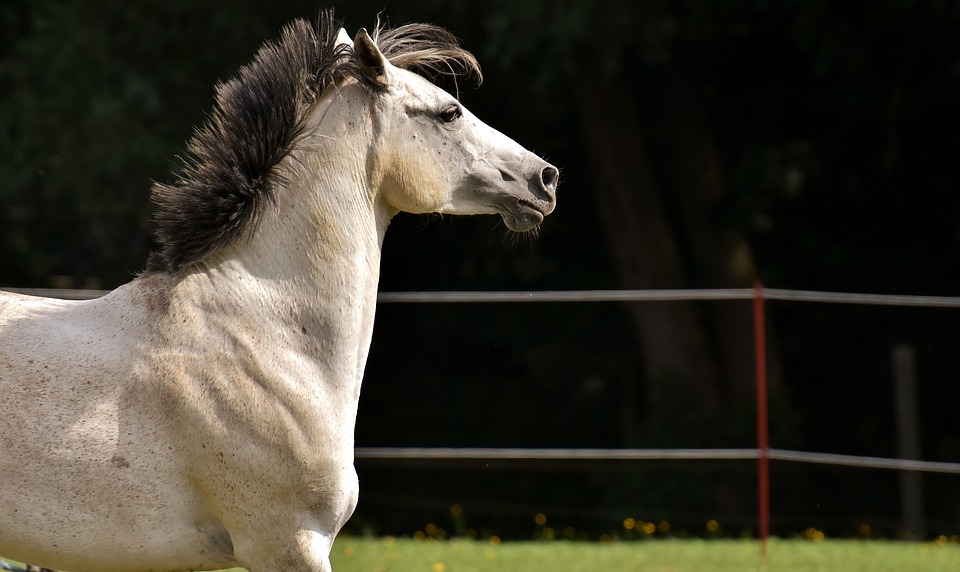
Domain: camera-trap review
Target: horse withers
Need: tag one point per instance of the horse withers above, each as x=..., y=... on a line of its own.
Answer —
x=202, y=415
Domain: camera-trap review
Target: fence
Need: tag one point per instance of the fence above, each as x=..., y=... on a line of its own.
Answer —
x=763, y=453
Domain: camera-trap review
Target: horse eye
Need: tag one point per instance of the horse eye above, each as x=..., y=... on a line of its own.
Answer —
x=450, y=114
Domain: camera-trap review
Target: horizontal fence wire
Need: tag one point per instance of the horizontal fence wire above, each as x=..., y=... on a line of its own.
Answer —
x=667, y=295
x=525, y=454
x=551, y=454
x=678, y=295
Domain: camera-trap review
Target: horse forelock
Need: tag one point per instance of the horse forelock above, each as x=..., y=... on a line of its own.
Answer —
x=228, y=177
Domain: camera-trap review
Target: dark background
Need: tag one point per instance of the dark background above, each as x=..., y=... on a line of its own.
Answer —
x=810, y=145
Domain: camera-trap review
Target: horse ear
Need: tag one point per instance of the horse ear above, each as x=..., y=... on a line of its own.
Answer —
x=344, y=38
x=372, y=63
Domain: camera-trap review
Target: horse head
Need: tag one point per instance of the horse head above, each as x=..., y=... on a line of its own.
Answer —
x=436, y=156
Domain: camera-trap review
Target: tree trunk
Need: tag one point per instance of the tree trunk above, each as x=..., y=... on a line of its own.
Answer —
x=681, y=377
x=719, y=253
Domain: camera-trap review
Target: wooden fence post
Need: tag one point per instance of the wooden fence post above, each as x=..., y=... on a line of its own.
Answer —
x=908, y=438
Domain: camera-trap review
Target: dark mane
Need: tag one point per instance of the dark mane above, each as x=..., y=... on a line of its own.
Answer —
x=229, y=175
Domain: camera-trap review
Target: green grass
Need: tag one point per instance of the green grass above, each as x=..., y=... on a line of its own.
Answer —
x=404, y=555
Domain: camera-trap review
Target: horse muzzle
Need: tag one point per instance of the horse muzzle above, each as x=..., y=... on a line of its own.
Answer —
x=525, y=213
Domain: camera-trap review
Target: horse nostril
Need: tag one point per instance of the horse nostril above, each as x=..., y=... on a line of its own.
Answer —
x=550, y=176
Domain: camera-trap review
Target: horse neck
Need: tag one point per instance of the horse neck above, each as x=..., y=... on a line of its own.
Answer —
x=307, y=279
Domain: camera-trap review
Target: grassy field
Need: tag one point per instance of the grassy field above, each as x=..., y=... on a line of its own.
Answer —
x=406, y=555
x=403, y=555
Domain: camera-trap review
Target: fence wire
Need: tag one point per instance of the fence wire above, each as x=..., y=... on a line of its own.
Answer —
x=675, y=295
x=520, y=454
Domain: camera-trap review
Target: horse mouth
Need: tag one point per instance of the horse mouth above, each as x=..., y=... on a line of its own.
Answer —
x=522, y=216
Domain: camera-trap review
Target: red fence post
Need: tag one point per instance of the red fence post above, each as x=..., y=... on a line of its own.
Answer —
x=763, y=445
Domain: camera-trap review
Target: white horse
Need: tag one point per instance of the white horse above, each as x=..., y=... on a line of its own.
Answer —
x=202, y=415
